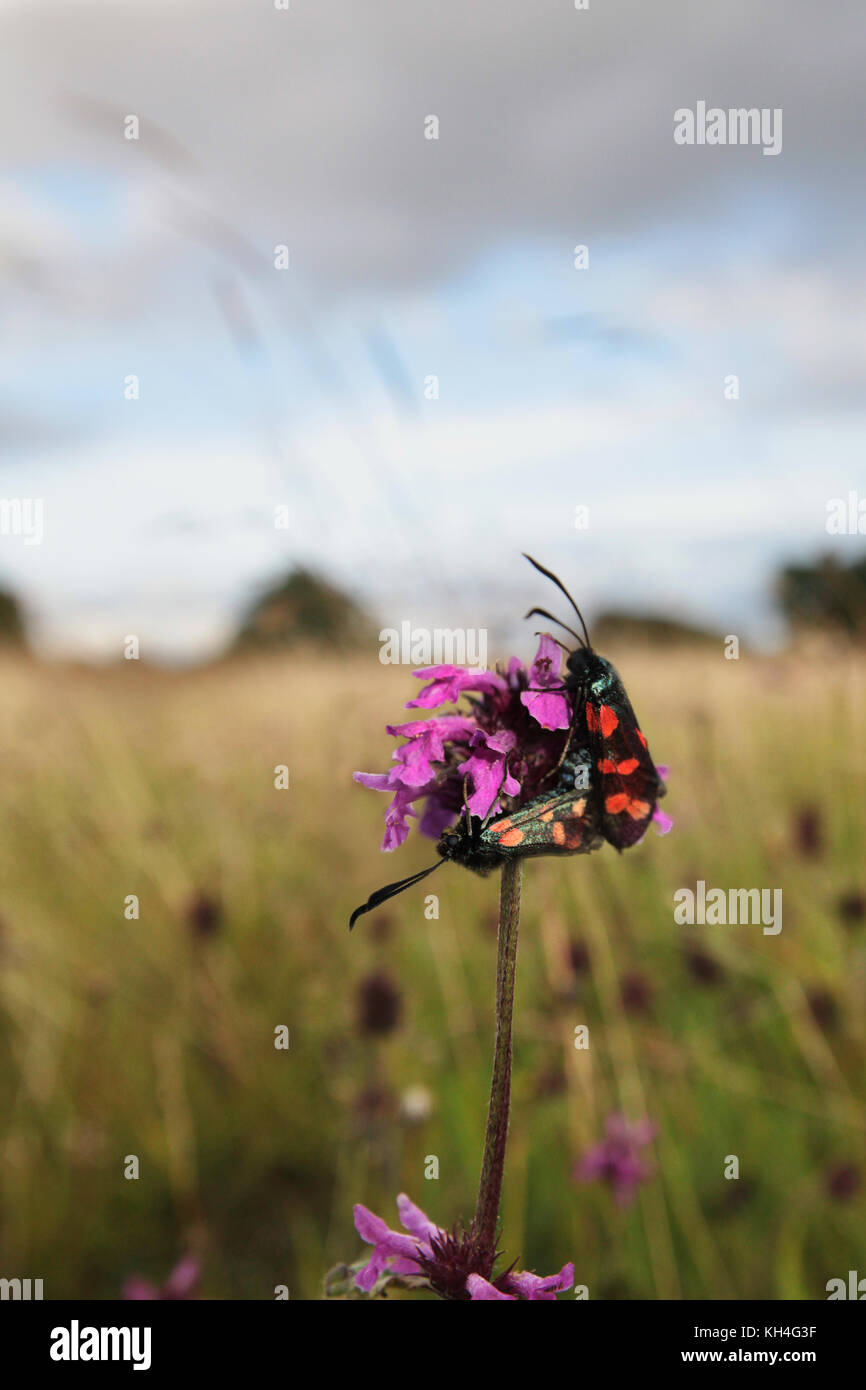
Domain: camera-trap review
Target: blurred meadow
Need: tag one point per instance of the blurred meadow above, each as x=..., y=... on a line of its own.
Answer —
x=155, y=1036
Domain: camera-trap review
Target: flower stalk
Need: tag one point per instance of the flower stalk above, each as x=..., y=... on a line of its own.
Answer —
x=493, y=1161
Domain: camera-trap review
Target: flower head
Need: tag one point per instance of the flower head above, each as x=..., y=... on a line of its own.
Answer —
x=451, y=1261
x=616, y=1160
x=378, y=1004
x=843, y=1181
x=552, y=710
x=204, y=914
x=502, y=747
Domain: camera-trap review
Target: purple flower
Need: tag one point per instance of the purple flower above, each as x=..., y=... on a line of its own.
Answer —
x=397, y=1253
x=552, y=711
x=426, y=745
x=447, y=683
x=486, y=767
x=524, y=1286
x=449, y=1260
x=616, y=1160
x=661, y=818
x=181, y=1283
x=500, y=749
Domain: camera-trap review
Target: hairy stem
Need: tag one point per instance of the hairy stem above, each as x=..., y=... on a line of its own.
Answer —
x=493, y=1162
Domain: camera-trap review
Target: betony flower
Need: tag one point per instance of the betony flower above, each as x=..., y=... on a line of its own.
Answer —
x=550, y=709
x=852, y=906
x=204, y=914
x=487, y=769
x=616, y=1160
x=843, y=1181
x=447, y=683
x=450, y=1261
x=181, y=1283
x=524, y=1286
x=500, y=749
x=378, y=1004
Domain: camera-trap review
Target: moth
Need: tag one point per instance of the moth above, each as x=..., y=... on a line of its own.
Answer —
x=561, y=821
x=625, y=781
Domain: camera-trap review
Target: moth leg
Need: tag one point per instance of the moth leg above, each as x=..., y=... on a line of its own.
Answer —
x=563, y=754
x=466, y=805
x=578, y=704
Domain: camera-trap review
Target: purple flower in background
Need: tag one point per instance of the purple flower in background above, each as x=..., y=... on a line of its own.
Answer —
x=181, y=1283
x=616, y=1160
x=449, y=1260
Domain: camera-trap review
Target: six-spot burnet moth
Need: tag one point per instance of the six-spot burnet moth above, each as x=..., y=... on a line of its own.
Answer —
x=606, y=787
x=626, y=782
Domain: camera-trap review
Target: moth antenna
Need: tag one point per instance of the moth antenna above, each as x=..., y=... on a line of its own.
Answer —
x=552, y=638
x=543, y=613
x=391, y=890
x=559, y=584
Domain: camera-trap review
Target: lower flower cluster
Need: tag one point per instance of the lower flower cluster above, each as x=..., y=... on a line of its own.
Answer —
x=450, y=1261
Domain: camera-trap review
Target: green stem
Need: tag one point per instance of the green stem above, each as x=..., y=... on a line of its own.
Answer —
x=493, y=1162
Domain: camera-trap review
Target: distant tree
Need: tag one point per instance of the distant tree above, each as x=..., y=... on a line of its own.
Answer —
x=661, y=631
x=303, y=609
x=827, y=594
x=12, y=632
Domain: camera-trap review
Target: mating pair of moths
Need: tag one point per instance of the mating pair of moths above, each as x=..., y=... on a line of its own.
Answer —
x=606, y=788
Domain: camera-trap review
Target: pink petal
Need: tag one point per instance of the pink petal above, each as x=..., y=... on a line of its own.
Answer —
x=480, y=1290
x=486, y=770
x=663, y=821
x=536, y=1287
x=414, y=1219
x=366, y=1277
x=379, y=781
x=375, y=1231
x=449, y=682
x=550, y=711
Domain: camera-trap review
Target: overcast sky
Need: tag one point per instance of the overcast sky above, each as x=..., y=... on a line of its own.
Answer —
x=409, y=258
